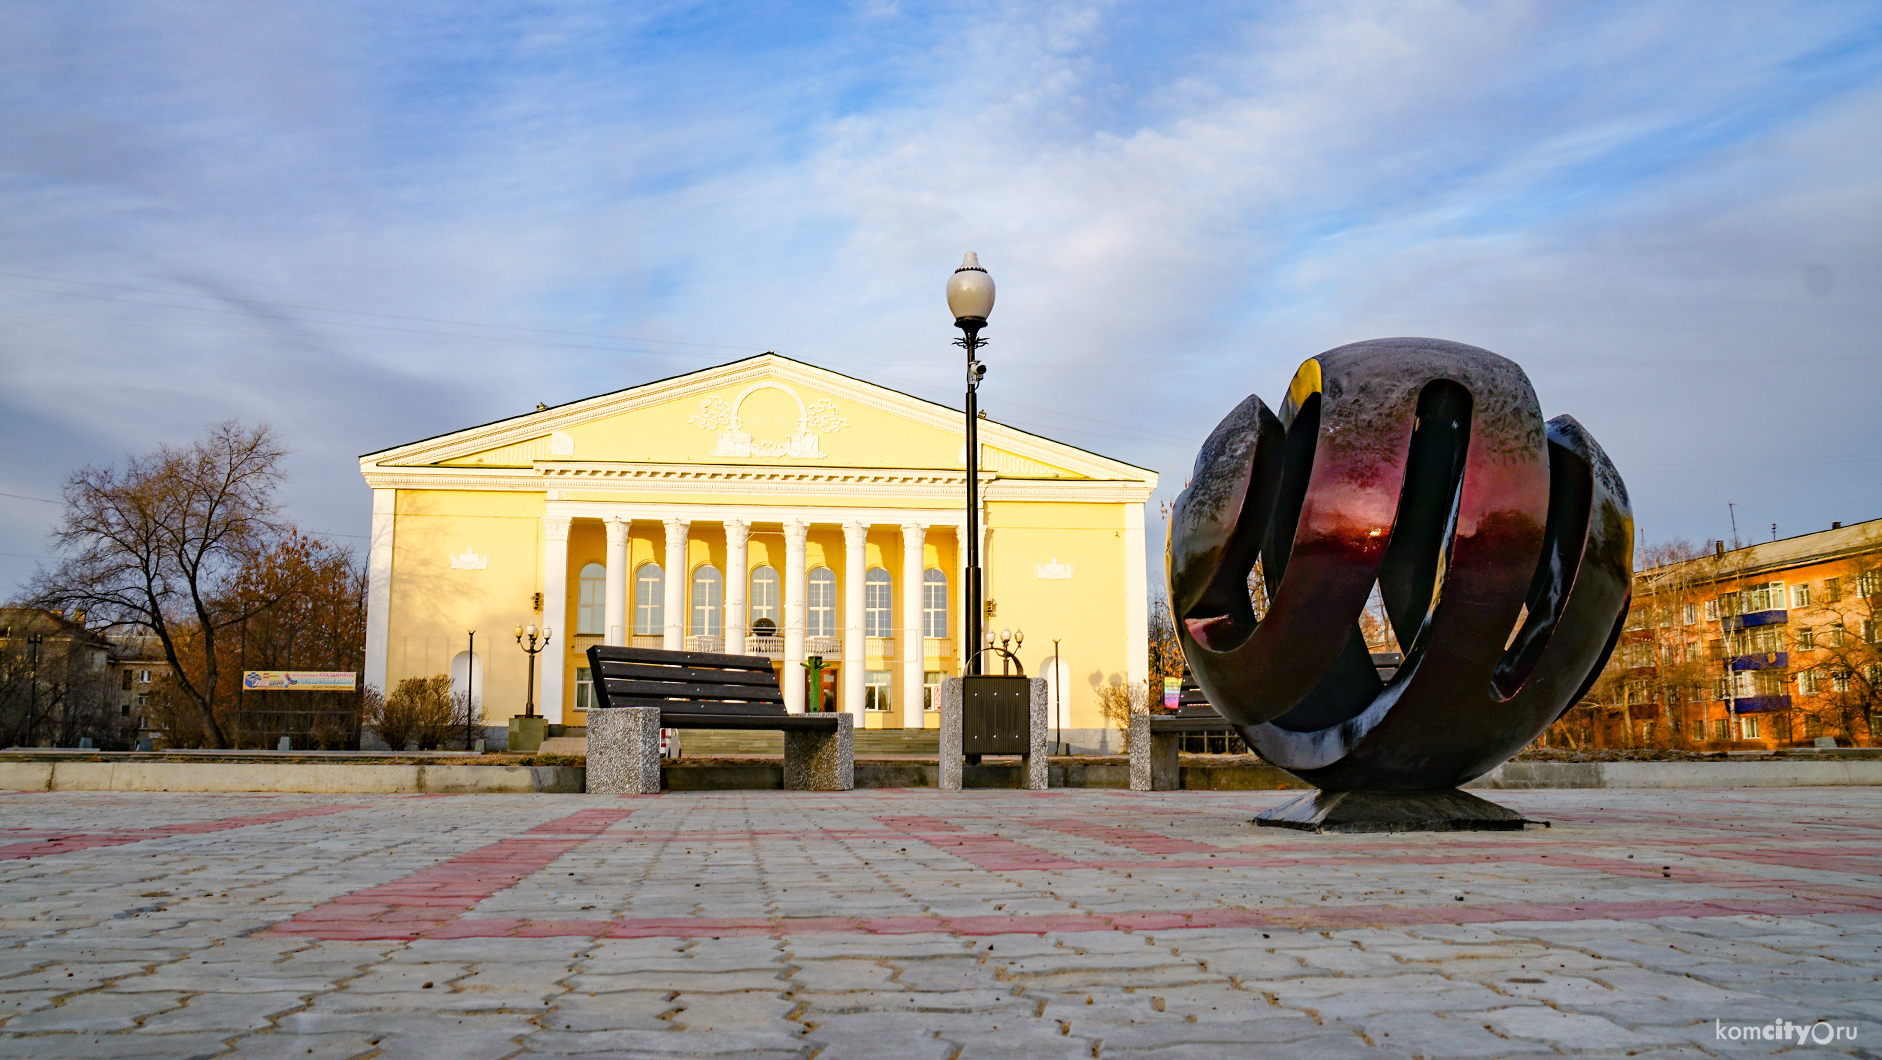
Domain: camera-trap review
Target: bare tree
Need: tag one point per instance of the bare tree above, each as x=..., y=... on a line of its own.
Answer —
x=1842, y=691
x=158, y=546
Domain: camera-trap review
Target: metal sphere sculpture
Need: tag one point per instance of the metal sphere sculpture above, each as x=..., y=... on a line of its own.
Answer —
x=1502, y=547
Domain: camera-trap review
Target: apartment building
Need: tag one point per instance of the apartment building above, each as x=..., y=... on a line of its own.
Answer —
x=1764, y=646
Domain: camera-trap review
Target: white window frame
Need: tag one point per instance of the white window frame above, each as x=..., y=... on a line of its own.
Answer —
x=878, y=603
x=708, y=609
x=591, y=600
x=820, y=603
x=650, y=609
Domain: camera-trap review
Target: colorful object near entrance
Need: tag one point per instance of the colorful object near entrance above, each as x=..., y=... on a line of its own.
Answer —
x=1500, y=545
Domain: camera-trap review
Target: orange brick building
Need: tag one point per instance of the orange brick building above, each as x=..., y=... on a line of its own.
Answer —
x=1766, y=646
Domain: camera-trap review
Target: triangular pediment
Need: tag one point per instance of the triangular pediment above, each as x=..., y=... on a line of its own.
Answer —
x=767, y=410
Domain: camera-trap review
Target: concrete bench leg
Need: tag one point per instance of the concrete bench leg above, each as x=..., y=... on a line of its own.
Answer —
x=1034, y=777
x=1166, y=773
x=624, y=751
x=1154, y=765
x=951, y=754
x=1140, y=753
x=816, y=760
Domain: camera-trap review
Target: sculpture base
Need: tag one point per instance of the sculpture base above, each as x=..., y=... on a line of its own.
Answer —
x=1394, y=811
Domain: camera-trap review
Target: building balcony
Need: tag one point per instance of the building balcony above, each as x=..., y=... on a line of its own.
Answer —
x=937, y=647
x=1760, y=704
x=647, y=642
x=879, y=647
x=1770, y=660
x=1754, y=619
x=705, y=643
x=581, y=642
x=770, y=647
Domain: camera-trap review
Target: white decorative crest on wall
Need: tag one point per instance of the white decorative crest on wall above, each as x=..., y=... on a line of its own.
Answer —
x=468, y=560
x=561, y=443
x=1054, y=570
x=717, y=414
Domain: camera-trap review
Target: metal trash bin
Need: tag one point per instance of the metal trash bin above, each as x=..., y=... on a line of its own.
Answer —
x=995, y=716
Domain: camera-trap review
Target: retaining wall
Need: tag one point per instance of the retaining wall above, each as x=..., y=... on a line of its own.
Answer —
x=1199, y=774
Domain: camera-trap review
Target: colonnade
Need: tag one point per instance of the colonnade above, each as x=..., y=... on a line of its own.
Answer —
x=677, y=530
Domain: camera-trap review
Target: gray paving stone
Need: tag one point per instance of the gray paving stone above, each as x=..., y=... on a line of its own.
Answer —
x=1388, y=980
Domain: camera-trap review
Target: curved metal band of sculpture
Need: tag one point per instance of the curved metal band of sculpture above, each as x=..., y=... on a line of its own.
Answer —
x=1502, y=548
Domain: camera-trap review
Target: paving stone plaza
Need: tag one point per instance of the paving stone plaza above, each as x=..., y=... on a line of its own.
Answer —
x=912, y=923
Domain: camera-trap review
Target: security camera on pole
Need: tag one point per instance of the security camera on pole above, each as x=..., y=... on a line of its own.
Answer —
x=970, y=298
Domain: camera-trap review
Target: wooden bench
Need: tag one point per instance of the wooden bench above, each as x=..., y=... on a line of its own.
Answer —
x=1156, y=738
x=639, y=691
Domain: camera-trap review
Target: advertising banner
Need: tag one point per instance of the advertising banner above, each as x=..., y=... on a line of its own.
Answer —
x=1172, y=692
x=299, y=680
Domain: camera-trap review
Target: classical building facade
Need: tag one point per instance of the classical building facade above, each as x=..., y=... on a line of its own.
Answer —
x=764, y=507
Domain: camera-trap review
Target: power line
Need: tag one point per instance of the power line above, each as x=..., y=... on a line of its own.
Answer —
x=24, y=497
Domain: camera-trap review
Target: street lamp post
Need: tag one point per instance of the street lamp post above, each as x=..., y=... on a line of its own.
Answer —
x=533, y=649
x=970, y=299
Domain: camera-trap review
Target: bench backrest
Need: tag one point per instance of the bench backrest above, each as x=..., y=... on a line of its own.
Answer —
x=685, y=682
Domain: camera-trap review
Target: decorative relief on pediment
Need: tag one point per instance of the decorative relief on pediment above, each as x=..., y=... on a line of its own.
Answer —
x=798, y=440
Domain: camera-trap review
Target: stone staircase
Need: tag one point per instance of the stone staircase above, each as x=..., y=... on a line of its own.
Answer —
x=703, y=743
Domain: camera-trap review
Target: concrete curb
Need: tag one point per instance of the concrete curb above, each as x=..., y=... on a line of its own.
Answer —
x=1197, y=775
x=337, y=778
x=1865, y=772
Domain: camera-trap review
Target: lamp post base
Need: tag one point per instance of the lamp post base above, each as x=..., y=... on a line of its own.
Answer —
x=526, y=733
x=1394, y=811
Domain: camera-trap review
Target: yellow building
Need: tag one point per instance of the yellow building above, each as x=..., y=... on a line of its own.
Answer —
x=763, y=507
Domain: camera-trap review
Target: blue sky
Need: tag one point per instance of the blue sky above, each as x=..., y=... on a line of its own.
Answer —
x=367, y=224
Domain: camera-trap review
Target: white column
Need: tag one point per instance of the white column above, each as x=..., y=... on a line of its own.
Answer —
x=674, y=600
x=1136, y=597
x=795, y=531
x=555, y=609
x=909, y=645
x=737, y=577
x=614, y=613
x=379, y=589
x=855, y=570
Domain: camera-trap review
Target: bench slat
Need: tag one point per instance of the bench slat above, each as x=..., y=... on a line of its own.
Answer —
x=659, y=656
x=698, y=706
x=741, y=721
x=643, y=672
x=693, y=690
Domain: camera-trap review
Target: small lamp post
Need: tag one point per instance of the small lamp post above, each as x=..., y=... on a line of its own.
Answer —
x=533, y=649
x=970, y=299
x=527, y=731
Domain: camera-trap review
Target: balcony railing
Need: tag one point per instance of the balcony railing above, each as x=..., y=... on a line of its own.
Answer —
x=767, y=646
x=648, y=642
x=1754, y=619
x=1760, y=704
x=879, y=647
x=703, y=643
x=1770, y=660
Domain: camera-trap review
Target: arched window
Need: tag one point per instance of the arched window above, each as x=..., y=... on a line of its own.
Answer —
x=934, y=603
x=650, y=612
x=591, y=600
x=878, y=607
x=707, y=602
x=820, y=608
x=762, y=603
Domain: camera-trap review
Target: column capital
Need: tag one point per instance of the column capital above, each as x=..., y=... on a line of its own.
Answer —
x=855, y=532
x=555, y=527
x=796, y=532
x=914, y=531
x=743, y=526
x=617, y=527
x=677, y=521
